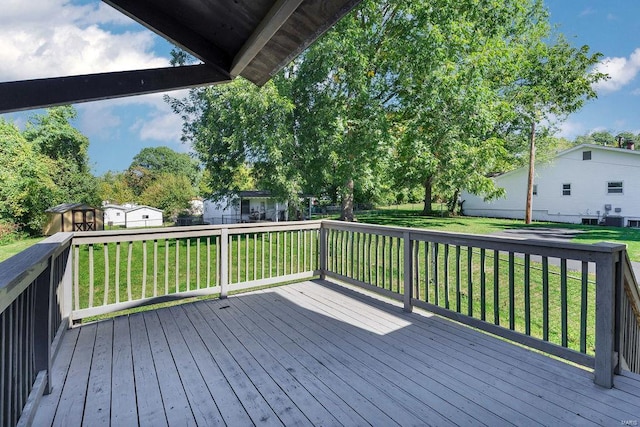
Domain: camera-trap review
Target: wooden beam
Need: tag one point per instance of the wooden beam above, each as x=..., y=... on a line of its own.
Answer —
x=149, y=15
x=30, y=94
x=277, y=16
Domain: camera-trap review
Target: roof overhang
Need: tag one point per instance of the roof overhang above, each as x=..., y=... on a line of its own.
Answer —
x=250, y=38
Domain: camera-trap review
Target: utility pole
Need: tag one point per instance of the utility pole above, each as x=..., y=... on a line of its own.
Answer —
x=532, y=160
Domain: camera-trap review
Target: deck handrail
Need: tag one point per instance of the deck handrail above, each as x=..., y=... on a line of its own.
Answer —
x=40, y=287
x=416, y=266
x=629, y=347
x=33, y=316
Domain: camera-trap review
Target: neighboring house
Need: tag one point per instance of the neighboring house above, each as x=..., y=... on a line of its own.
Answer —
x=130, y=216
x=245, y=206
x=73, y=217
x=588, y=184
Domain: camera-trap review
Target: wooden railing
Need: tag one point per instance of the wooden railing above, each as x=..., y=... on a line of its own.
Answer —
x=629, y=347
x=556, y=297
x=578, y=302
x=119, y=270
x=33, y=313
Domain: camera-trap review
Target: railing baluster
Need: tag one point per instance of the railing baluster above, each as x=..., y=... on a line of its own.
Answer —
x=277, y=253
x=208, y=282
x=105, y=248
x=545, y=298
x=512, y=292
x=583, y=307
x=399, y=269
x=426, y=271
x=246, y=257
x=384, y=261
x=436, y=285
x=117, y=272
x=470, y=280
x=130, y=250
x=239, y=257
x=483, y=285
x=262, y=254
x=144, y=268
x=166, y=266
x=197, y=262
x=563, y=302
x=527, y=294
x=155, y=267
x=218, y=258
x=91, y=273
x=177, y=266
x=304, y=245
x=496, y=287
x=446, y=277
x=255, y=256
x=377, y=260
x=458, y=280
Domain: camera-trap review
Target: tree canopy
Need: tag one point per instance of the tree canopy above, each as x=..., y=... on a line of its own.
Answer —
x=436, y=94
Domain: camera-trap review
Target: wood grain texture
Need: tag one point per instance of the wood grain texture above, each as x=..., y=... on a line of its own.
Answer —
x=316, y=353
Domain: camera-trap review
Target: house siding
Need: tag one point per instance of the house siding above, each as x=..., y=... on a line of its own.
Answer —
x=588, y=181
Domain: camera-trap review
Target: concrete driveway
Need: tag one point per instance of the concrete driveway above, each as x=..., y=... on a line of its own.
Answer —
x=558, y=235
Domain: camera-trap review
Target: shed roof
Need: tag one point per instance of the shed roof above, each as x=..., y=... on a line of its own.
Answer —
x=65, y=207
x=249, y=38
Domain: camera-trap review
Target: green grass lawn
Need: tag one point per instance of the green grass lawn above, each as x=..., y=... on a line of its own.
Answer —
x=411, y=217
x=7, y=251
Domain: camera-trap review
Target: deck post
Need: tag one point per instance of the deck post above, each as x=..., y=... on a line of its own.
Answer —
x=67, y=286
x=408, y=272
x=42, y=320
x=224, y=263
x=607, y=278
x=323, y=252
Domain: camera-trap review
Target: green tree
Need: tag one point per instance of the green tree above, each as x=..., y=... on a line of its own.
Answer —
x=164, y=160
x=53, y=135
x=170, y=192
x=28, y=187
x=242, y=134
x=114, y=188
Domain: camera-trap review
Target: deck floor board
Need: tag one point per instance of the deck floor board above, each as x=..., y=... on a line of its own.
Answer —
x=315, y=353
x=549, y=397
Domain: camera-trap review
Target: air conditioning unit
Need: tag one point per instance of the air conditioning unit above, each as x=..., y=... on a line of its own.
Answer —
x=607, y=207
x=618, y=210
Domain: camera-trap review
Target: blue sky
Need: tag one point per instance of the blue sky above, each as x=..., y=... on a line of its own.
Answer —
x=48, y=38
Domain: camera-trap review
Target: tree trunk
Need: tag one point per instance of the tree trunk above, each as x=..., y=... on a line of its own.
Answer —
x=428, y=195
x=453, y=202
x=532, y=160
x=347, y=202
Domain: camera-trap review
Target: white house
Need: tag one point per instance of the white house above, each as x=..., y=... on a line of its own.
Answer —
x=588, y=184
x=245, y=206
x=130, y=216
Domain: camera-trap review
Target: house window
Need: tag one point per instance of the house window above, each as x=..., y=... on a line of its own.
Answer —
x=589, y=221
x=614, y=187
x=634, y=223
x=586, y=155
x=117, y=213
x=566, y=189
x=145, y=216
x=535, y=189
x=245, y=207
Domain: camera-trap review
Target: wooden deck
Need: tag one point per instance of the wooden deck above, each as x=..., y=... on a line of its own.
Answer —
x=315, y=353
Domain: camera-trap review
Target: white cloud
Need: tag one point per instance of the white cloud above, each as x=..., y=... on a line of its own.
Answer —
x=570, y=129
x=587, y=11
x=52, y=38
x=621, y=72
